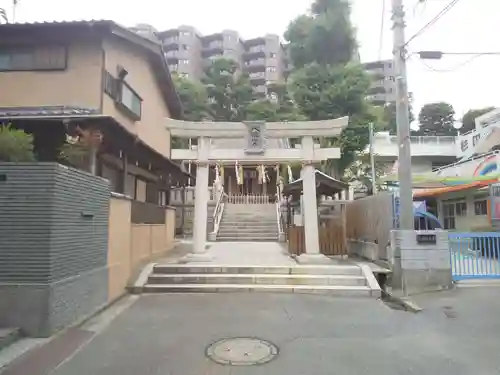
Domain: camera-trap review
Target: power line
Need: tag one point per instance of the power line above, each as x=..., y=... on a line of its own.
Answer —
x=381, y=33
x=445, y=10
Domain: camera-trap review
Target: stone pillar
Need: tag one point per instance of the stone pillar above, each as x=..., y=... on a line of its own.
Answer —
x=312, y=254
x=201, y=199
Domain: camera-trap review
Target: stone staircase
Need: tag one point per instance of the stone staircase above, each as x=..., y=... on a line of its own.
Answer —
x=188, y=221
x=248, y=222
x=345, y=280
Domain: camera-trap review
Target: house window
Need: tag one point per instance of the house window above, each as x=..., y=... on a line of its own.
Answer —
x=461, y=208
x=33, y=58
x=480, y=208
x=123, y=95
x=130, y=100
x=185, y=33
x=449, y=215
x=110, y=85
x=185, y=62
x=271, y=69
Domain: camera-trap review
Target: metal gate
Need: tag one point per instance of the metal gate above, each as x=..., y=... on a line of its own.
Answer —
x=475, y=255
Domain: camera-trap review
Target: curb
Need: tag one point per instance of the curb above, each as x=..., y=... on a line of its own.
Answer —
x=404, y=302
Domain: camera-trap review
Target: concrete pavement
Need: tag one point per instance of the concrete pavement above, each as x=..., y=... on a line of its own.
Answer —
x=169, y=334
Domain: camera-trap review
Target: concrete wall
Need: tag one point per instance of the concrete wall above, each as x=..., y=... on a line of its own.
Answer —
x=131, y=246
x=53, y=245
x=418, y=267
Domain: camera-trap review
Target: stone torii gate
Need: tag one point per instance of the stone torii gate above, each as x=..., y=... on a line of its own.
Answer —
x=256, y=134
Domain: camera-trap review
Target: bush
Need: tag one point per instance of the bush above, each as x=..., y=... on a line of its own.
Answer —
x=15, y=145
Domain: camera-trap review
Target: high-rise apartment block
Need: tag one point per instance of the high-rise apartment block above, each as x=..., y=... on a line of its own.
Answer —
x=189, y=53
x=383, y=90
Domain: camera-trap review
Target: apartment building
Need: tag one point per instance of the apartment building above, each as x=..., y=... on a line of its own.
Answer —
x=183, y=49
x=188, y=53
x=383, y=88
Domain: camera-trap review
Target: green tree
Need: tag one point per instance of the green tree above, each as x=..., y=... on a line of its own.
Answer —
x=278, y=106
x=229, y=91
x=436, y=119
x=15, y=145
x=359, y=172
x=390, y=118
x=325, y=35
x=194, y=98
x=325, y=92
x=468, y=121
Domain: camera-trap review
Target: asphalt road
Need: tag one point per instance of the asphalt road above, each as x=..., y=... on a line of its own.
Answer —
x=169, y=335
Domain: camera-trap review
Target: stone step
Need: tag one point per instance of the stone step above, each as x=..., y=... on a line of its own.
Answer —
x=248, y=229
x=247, y=238
x=259, y=269
x=339, y=290
x=242, y=234
x=260, y=279
x=256, y=223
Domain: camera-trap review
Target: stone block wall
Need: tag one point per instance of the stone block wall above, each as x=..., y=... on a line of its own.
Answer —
x=53, y=246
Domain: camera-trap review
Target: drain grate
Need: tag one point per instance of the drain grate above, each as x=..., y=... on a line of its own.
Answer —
x=242, y=351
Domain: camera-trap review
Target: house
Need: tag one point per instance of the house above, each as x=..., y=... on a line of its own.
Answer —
x=463, y=207
x=95, y=81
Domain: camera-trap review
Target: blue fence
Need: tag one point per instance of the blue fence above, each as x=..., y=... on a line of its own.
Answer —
x=475, y=255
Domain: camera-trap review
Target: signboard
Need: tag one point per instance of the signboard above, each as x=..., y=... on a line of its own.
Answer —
x=255, y=139
x=469, y=141
x=396, y=209
x=426, y=239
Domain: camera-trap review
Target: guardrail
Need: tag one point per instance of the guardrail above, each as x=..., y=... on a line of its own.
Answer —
x=423, y=140
x=248, y=199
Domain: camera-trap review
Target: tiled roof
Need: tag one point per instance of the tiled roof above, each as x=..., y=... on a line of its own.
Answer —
x=45, y=111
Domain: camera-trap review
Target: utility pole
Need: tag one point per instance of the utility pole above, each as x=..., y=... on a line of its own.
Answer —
x=372, y=161
x=402, y=118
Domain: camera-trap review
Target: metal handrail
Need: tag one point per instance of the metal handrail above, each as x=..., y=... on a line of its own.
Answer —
x=218, y=211
x=278, y=213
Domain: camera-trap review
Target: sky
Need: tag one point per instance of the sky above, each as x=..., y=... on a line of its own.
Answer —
x=471, y=26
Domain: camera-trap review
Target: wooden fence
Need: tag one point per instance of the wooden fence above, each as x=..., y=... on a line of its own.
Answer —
x=370, y=219
x=332, y=238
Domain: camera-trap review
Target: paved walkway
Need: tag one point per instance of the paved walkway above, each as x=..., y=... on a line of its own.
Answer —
x=169, y=334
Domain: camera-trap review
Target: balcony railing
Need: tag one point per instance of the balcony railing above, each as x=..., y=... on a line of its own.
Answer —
x=424, y=139
x=386, y=145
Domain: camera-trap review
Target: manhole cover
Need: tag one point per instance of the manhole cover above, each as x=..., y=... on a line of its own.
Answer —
x=242, y=351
